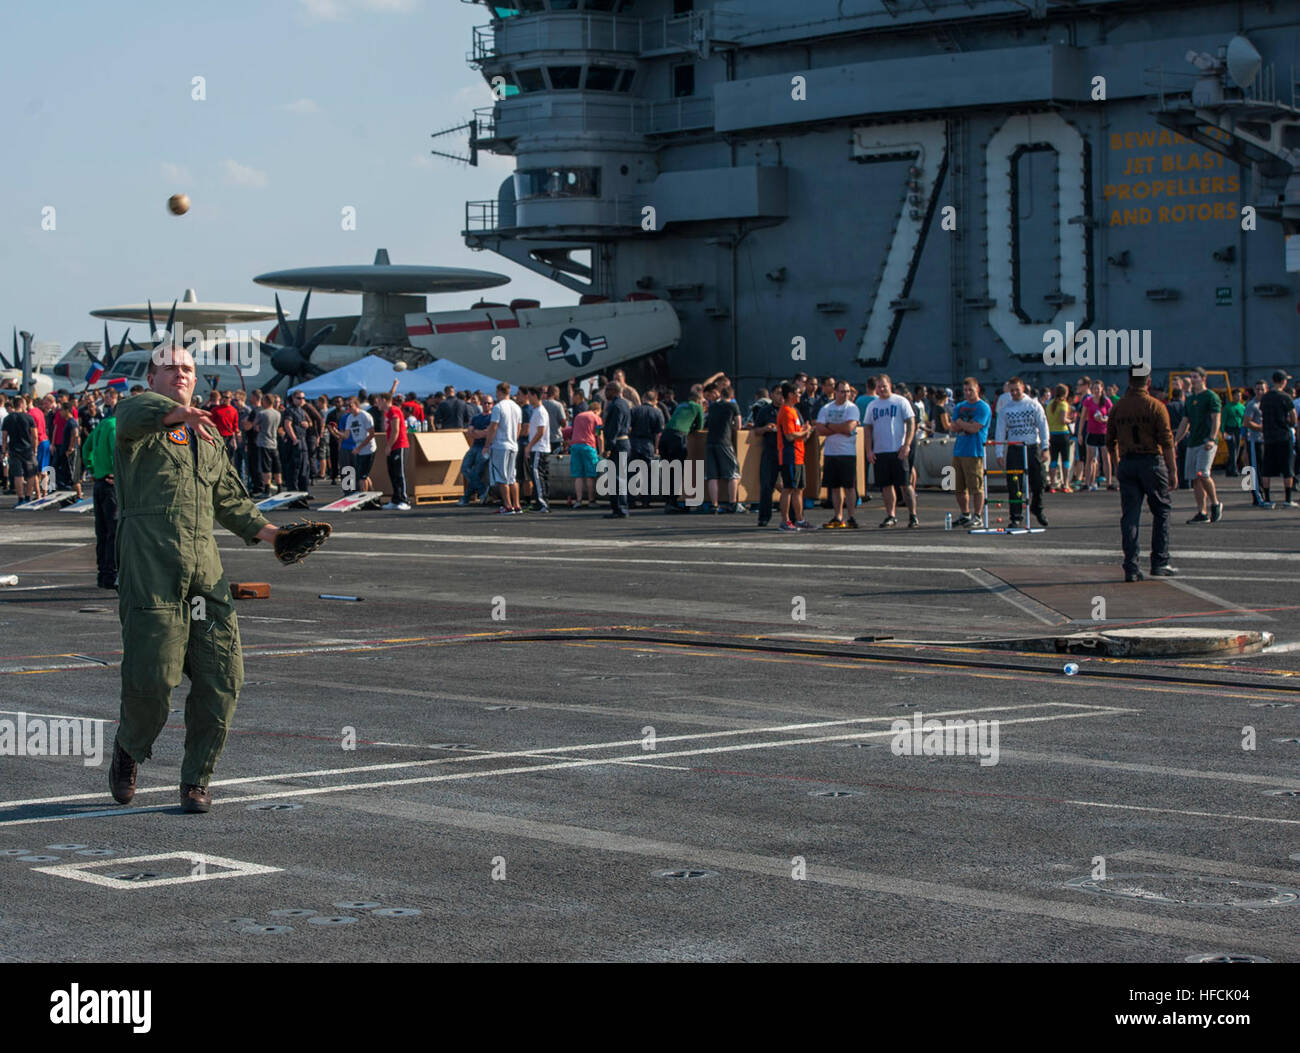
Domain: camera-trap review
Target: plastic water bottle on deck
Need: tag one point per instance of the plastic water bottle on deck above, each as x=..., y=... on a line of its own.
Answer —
x=947, y=521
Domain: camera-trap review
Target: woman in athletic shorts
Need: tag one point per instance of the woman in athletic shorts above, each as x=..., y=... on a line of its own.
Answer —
x=1060, y=424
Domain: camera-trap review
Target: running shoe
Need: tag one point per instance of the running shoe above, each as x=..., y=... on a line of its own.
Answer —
x=789, y=527
x=803, y=524
x=888, y=521
x=852, y=523
x=834, y=524
x=912, y=521
x=1216, y=512
x=1200, y=517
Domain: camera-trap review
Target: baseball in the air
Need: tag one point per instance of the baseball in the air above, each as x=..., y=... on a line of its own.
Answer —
x=178, y=204
x=399, y=366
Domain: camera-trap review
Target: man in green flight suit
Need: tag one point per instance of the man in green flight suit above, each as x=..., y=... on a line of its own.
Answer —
x=173, y=478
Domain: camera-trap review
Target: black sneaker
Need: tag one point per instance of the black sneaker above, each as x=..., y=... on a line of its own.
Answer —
x=962, y=521
x=889, y=521
x=1164, y=572
x=853, y=523
x=1216, y=512
x=1133, y=575
x=1042, y=519
x=1200, y=517
x=912, y=521
x=1014, y=523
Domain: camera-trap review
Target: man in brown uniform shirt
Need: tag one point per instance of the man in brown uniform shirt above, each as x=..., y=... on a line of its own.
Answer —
x=1141, y=443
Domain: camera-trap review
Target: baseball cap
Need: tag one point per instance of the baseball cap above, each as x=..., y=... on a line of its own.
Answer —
x=1281, y=377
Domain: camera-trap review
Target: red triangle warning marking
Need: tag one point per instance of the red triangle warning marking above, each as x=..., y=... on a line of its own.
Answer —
x=839, y=334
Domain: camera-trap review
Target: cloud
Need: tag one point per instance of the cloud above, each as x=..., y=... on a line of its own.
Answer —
x=333, y=10
x=322, y=10
x=176, y=173
x=243, y=175
x=472, y=96
x=301, y=106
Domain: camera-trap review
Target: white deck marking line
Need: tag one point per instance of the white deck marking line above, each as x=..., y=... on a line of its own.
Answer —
x=1112, y=555
x=1209, y=866
x=82, y=871
x=1005, y=591
x=1219, y=601
x=1279, y=781
x=1182, y=811
x=316, y=791
x=538, y=751
x=54, y=716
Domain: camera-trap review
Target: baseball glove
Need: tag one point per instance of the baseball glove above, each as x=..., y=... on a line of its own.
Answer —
x=296, y=541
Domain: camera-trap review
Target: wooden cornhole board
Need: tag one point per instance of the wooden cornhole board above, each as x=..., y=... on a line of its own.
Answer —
x=432, y=464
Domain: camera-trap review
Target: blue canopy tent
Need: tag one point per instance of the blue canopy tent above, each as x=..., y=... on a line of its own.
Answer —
x=437, y=375
x=376, y=374
x=371, y=372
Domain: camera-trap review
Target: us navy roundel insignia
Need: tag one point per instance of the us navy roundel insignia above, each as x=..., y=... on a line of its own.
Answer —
x=179, y=436
x=576, y=347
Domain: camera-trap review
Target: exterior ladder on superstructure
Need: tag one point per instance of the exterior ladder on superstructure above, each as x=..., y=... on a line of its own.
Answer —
x=957, y=256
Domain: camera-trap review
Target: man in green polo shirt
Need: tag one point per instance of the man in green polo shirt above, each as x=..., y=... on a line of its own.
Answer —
x=97, y=455
x=1200, y=426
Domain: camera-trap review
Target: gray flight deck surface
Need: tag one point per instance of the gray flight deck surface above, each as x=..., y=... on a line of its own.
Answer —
x=500, y=786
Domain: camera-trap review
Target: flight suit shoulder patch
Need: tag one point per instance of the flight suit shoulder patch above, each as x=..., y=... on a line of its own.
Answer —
x=179, y=436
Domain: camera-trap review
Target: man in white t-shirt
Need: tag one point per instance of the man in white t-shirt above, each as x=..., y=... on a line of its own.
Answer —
x=890, y=428
x=537, y=453
x=503, y=449
x=837, y=424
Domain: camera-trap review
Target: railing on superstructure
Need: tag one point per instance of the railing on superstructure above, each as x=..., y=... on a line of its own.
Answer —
x=594, y=31
x=622, y=210
x=560, y=112
x=1173, y=88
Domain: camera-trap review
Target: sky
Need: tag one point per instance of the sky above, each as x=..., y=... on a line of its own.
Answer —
x=311, y=106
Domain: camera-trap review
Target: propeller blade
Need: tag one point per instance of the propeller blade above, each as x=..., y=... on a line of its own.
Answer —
x=275, y=379
x=317, y=339
x=310, y=369
x=121, y=345
x=171, y=318
x=153, y=325
x=283, y=331
x=301, y=332
x=134, y=345
x=108, y=348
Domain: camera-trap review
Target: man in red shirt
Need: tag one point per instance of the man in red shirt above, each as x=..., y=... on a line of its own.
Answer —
x=395, y=429
x=791, y=431
x=412, y=407
x=226, y=417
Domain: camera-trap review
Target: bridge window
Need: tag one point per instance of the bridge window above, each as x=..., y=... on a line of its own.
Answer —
x=563, y=77
x=602, y=78
x=530, y=80
x=557, y=182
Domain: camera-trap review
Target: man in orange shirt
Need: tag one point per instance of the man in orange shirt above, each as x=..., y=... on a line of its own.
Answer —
x=791, y=431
